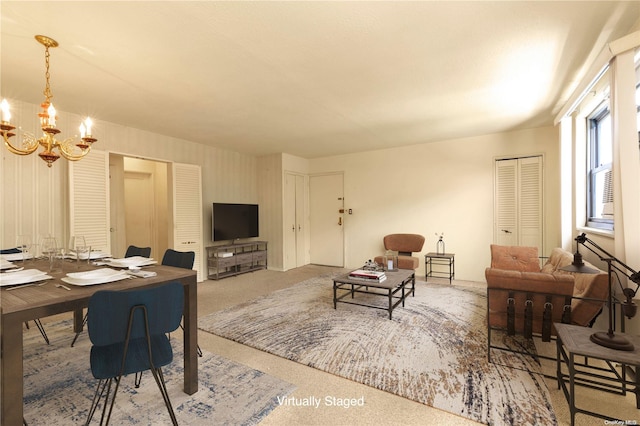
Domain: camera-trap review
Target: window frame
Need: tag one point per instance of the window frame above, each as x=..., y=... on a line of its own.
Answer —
x=594, y=167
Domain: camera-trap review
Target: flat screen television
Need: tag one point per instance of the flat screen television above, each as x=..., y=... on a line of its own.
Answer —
x=234, y=221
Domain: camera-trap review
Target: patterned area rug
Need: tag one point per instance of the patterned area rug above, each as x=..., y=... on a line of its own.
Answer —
x=59, y=387
x=434, y=351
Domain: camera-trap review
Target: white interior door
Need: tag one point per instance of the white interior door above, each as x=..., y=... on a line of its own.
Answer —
x=300, y=221
x=187, y=212
x=289, y=221
x=326, y=201
x=295, y=219
x=89, y=200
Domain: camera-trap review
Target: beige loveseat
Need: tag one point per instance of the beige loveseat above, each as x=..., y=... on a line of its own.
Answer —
x=515, y=275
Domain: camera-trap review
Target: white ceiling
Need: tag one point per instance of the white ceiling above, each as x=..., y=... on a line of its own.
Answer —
x=309, y=78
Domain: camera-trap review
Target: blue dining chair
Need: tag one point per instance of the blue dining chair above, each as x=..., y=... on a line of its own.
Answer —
x=37, y=320
x=138, y=251
x=180, y=259
x=131, y=251
x=128, y=331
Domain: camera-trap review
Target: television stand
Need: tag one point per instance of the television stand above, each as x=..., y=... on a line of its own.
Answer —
x=236, y=258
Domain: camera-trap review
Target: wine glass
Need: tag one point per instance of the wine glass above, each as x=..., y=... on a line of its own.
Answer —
x=78, y=244
x=48, y=246
x=24, y=243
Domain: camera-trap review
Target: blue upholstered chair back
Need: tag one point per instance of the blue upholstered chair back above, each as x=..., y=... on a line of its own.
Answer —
x=179, y=259
x=10, y=251
x=109, y=313
x=138, y=251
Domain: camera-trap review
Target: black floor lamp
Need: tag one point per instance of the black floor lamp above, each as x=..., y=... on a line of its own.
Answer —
x=608, y=339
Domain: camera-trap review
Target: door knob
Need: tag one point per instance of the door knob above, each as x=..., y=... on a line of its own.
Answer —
x=339, y=221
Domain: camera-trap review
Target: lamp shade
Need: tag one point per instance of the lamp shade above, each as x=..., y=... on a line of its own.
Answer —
x=579, y=266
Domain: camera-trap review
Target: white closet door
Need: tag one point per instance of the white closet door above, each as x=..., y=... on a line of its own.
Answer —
x=530, y=202
x=89, y=200
x=518, y=202
x=187, y=212
x=506, y=199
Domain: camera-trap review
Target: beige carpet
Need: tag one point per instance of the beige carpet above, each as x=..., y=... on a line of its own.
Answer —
x=433, y=351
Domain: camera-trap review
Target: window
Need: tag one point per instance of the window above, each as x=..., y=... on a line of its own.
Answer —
x=599, y=176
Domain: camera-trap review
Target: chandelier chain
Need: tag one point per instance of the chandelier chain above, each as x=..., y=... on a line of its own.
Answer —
x=47, y=88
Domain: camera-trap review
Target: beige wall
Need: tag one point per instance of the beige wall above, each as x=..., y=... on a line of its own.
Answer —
x=438, y=187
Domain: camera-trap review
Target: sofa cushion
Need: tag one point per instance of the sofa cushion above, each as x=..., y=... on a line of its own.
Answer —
x=585, y=286
x=404, y=262
x=515, y=258
x=557, y=260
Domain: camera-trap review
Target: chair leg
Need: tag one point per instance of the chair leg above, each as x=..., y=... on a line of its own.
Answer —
x=84, y=322
x=97, y=396
x=198, y=346
x=159, y=377
x=40, y=328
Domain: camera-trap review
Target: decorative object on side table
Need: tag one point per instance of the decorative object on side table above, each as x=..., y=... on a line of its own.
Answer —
x=609, y=339
x=440, y=244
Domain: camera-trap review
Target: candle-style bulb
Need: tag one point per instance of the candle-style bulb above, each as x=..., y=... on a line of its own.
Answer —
x=6, y=114
x=88, y=123
x=52, y=115
x=82, y=130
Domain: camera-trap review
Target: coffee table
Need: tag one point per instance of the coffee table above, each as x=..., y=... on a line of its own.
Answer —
x=394, y=288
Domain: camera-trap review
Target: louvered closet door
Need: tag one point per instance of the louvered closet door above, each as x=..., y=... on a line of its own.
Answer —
x=518, y=202
x=89, y=200
x=187, y=212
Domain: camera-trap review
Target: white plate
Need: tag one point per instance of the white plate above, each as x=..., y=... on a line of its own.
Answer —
x=5, y=264
x=23, y=277
x=95, y=274
x=16, y=256
x=98, y=276
x=131, y=261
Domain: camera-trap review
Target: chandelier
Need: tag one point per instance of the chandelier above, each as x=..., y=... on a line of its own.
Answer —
x=69, y=148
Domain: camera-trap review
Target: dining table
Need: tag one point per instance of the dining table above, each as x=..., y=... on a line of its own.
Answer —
x=22, y=303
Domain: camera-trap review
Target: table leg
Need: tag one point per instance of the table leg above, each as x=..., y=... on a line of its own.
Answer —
x=558, y=361
x=572, y=389
x=637, y=389
x=11, y=370
x=191, y=337
x=390, y=303
x=335, y=294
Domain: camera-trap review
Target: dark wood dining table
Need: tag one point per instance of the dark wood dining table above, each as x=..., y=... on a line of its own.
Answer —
x=31, y=302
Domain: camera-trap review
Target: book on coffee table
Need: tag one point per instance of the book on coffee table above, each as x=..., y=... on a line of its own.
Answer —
x=361, y=274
